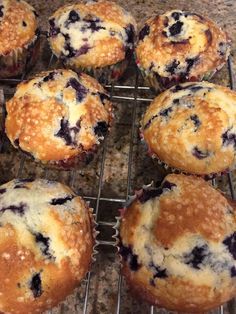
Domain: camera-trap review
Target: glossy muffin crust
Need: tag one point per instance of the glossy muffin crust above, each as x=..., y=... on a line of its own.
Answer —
x=95, y=34
x=58, y=116
x=46, y=244
x=181, y=46
x=192, y=127
x=177, y=244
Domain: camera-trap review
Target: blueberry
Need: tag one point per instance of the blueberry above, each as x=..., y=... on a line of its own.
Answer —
x=49, y=77
x=144, y=32
x=81, y=91
x=82, y=50
x=229, y=138
x=190, y=62
x=171, y=68
x=152, y=193
x=166, y=112
x=195, y=88
x=36, y=285
x=61, y=201
x=176, y=101
x=73, y=17
x=67, y=133
x=196, y=257
x=177, y=88
x=64, y=132
x=176, y=15
x=71, y=51
x=176, y=28
x=1, y=10
x=44, y=243
x=200, y=154
x=24, y=23
x=19, y=209
x=128, y=256
x=2, y=191
x=54, y=31
x=103, y=98
x=130, y=33
x=196, y=121
x=233, y=271
x=16, y=142
x=230, y=242
x=101, y=129
x=92, y=24
x=164, y=33
x=168, y=185
x=158, y=271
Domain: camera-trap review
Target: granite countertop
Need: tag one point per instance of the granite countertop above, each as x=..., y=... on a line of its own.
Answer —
x=105, y=271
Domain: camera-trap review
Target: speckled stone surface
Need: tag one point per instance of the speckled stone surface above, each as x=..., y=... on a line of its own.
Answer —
x=102, y=296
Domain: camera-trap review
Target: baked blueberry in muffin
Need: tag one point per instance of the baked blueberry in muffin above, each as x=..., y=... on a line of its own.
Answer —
x=97, y=37
x=192, y=127
x=177, y=245
x=180, y=46
x=19, y=37
x=59, y=117
x=46, y=246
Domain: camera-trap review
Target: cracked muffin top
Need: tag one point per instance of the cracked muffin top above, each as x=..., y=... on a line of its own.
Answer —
x=58, y=115
x=18, y=25
x=46, y=237
x=95, y=34
x=192, y=127
x=177, y=244
x=181, y=46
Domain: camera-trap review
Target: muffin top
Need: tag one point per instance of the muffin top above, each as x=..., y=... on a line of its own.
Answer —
x=192, y=127
x=95, y=34
x=18, y=25
x=178, y=244
x=46, y=237
x=58, y=115
x=180, y=44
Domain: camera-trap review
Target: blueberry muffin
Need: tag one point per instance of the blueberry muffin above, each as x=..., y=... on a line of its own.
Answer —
x=178, y=47
x=177, y=244
x=192, y=127
x=19, y=37
x=96, y=37
x=59, y=117
x=46, y=244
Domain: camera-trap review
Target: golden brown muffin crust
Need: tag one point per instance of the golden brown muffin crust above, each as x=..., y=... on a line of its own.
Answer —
x=54, y=116
x=17, y=25
x=181, y=43
x=176, y=244
x=99, y=37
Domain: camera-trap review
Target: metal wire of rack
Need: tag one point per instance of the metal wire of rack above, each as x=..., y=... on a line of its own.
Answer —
x=136, y=99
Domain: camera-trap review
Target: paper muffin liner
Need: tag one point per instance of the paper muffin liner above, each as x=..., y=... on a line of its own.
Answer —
x=20, y=60
x=104, y=75
x=159, y=84
x=95, y=234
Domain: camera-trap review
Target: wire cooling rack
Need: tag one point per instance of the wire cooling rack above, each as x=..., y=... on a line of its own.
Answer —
x=135, y=96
